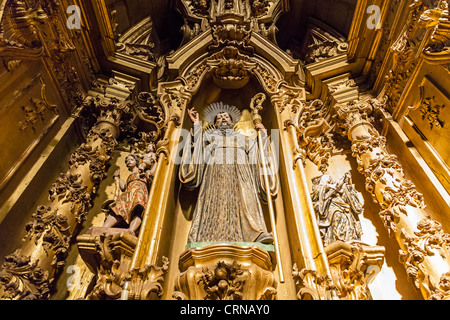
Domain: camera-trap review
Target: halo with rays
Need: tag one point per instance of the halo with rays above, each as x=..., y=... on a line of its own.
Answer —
x=215, y=108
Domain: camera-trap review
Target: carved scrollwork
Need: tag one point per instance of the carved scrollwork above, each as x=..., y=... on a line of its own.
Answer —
x=53, y=229
x=36, y=110
x=322, y=42
x=231, y=35
x=148, y=281
x=23, y=279
x=18, y=30
x=110, y=257
x=138, y=41
x=353, y=266
x=313, y=131
x=442, y=291
x=312, y=285
x=430, y=239
x=424, y=252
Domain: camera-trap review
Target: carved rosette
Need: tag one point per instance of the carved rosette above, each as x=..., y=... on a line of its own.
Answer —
x=424, y=245
x=225, y=272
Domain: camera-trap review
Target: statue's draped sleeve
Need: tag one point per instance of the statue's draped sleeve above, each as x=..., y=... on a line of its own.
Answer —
x=256, y=158
x=192, y=161
x=321, y=200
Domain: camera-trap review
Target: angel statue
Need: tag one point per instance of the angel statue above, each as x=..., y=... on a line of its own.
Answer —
x=224, y=164
x=131, y=195
x=337, y=207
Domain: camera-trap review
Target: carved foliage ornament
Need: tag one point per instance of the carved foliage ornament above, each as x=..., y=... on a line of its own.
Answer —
x=36, y=110
x=312, y=127
x=312, y=285
x=52, y=228
x=23, y=279
x=353, y=266
x=430, y=239
x=425, y=17
x=423, y=251
x=222, y=282
x=430, y=112
x=113, y=271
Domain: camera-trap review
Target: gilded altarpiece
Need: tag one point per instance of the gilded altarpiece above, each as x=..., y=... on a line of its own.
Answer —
x=282, y=218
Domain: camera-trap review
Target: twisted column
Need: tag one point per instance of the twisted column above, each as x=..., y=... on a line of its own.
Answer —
x=31, y=270
x=424, y=245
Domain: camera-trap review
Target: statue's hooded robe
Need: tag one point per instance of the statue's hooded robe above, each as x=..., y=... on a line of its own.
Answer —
x=226, y=167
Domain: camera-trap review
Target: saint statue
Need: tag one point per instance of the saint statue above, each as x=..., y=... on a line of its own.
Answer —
x=131, y=195
x=225, y=165
x=337, y=207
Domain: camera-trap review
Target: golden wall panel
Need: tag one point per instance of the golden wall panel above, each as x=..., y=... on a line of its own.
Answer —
x=430, y=114
x=426, y=124
x=29, y=109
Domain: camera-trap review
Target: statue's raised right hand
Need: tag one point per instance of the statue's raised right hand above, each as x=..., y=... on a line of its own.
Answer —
x=193, y=115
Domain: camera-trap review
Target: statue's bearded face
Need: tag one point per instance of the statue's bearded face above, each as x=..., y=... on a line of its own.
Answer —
x=223, y=121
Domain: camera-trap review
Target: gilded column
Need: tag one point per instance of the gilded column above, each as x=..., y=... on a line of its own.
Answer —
x=314, y=277
x=30, y=271
x=424, y=245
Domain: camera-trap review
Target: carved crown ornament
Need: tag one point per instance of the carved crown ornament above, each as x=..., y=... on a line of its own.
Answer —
x=234, y=18
x=245, y=10
x=231, y=69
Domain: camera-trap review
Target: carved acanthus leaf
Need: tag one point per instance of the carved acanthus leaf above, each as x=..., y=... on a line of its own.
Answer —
x=22, y=279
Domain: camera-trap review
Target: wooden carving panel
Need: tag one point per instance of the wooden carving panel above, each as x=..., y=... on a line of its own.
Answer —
x=430, y=119
x=27, y=115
